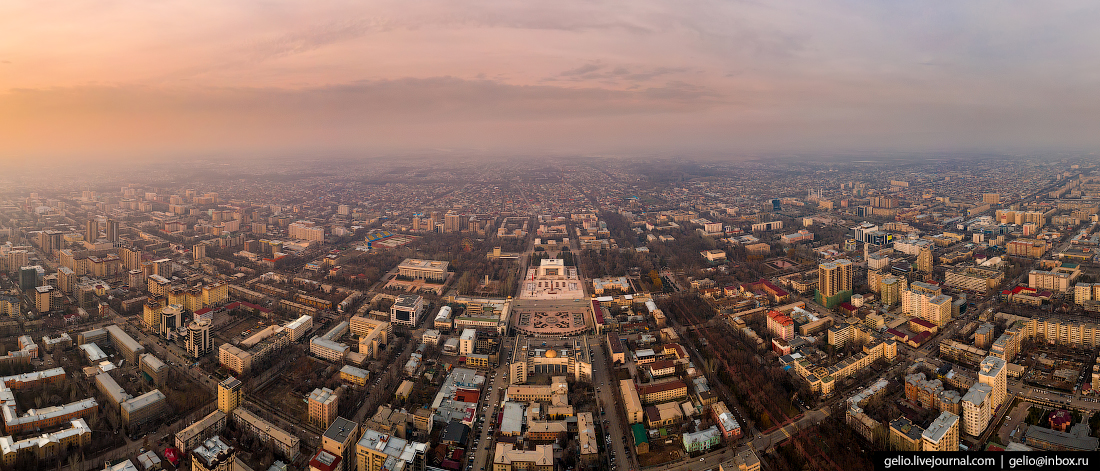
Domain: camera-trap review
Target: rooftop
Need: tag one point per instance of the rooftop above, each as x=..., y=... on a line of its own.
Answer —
x=340, y=430
x=939, y=427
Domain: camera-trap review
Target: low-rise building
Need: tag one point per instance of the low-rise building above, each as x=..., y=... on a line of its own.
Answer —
x=507, y=458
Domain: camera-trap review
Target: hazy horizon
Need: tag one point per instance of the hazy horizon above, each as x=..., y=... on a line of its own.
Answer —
x=120, y=80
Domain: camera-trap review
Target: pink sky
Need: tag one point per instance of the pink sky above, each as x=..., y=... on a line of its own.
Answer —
x=130, y=78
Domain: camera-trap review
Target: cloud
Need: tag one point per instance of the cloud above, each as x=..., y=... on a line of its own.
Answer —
x=583, y=70
x=386, y=113
x=316, y=37
x=578, y=74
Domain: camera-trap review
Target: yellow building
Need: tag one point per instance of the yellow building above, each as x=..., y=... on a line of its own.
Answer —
x=905, y=436
x=46, y=446
x=632, y=403
x=507, y=458
x=942, y=434
x=229, y=395
x=662, y=392
x=376, y=448
x=234, y=359
x=353, y=375
x=745, y=460
x=215, y=294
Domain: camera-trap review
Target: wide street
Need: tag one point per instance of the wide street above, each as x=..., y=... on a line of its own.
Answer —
x=489, y=407
x=607, y=394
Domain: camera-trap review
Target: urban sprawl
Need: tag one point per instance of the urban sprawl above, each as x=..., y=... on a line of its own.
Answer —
x=595, y=314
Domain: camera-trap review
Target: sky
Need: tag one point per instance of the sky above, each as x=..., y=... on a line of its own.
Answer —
x=138, y=79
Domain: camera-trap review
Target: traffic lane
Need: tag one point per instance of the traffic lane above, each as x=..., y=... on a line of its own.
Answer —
x=606, y=394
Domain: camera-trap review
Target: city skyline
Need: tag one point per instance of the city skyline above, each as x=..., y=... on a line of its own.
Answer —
x=718, y=80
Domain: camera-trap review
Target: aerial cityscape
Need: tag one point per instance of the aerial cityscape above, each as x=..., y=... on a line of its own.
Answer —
x=493, y=235
x=582, y=314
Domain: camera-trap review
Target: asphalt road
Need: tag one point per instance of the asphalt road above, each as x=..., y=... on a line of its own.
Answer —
x=489, y=406
x=167, y=353
x=608, y=399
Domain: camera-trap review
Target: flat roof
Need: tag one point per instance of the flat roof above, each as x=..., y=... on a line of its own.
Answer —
x=200, y=425
x=152, y=361
x=340, y=430
x=120, y=336
x=143, y=401
x=111, y=387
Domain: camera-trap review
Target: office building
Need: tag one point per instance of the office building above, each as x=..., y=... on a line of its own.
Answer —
x=170, y=318
x=155, y=369
x=199, y=341
x=372, y=334
x=112, y=231
x=144, y=409
x=406, y=310
x=417, y=269
x=28, y=277
x=126, y=345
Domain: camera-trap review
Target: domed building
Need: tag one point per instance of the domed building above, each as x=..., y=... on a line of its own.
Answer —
x=550, y=357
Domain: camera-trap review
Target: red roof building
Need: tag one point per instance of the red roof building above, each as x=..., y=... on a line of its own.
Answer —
x=467, y=395
x=1060, y=420
x=324, y=461
x=780, y=325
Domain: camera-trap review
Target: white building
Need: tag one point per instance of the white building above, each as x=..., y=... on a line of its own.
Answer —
x=993, y=372
x=976, y=410
x=306, y=230
x=466, y=341
x=298, y=327
x=417, y=269
x=930, y=306
x=199, y=340
x=406, y=310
